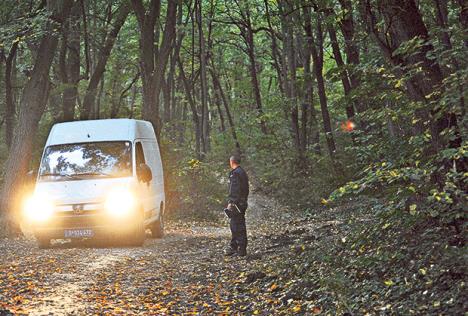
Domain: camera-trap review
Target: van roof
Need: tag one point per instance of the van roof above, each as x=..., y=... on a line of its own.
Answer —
x=100, y=130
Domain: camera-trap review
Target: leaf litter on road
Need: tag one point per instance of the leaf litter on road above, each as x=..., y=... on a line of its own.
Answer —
x=297, y=264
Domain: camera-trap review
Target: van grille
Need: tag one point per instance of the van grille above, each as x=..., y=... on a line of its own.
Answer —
x=75, y=213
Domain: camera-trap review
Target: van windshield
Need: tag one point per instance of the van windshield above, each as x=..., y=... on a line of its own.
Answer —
x=86, y=160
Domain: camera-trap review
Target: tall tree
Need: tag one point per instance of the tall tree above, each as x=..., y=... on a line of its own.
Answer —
x=247, y=31
x=154, y=56
x=275, y=53
x=404, y=23
x=203, y=79
x=70, y=65
x=91, y=90
x=348, y=29
x=219, y=87
x=341, y=65
x=195, y=116
x=290, y=70
x=314, y=130
x=316, y=46
x=32, y=104
x=10, y=106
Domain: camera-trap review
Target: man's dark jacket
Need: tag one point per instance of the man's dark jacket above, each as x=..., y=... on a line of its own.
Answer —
x=238, y=188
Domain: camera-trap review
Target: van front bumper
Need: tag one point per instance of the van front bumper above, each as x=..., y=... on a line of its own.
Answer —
x=94, y=225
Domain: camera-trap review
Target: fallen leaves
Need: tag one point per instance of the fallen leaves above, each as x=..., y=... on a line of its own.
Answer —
x=307, y=266
x=273, y=287
x=316, y=310
x=297, y=308
x=388, y=282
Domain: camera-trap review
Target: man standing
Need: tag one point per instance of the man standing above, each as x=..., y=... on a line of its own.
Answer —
x=237, y=205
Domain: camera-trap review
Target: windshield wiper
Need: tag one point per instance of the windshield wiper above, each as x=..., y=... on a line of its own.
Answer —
x=77, y=175
x=94, y=173
x=52, y=174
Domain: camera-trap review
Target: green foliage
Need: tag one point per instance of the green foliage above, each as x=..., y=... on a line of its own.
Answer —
x=194, y=188
x=394, y=149
x=20, y=24
x=359, y=257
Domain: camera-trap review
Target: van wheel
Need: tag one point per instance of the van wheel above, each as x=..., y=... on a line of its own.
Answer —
x=137, y=237
x=157, y=228
x=43, y=242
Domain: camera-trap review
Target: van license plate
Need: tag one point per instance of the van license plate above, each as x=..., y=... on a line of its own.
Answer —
x=78, y=233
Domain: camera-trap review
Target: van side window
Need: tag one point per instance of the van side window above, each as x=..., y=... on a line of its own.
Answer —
x=139, y=154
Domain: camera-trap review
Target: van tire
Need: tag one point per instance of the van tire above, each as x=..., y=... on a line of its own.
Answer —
x=43, y=242
x=137, y=237
x=157, y=228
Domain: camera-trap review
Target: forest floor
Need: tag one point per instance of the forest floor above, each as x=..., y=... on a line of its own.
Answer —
x=298, y=263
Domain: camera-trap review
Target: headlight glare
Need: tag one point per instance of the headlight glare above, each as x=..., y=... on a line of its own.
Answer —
x=38, y=208
x=120, y=202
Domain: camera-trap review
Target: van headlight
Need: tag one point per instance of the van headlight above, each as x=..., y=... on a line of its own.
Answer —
x=38, y=208
x=120, y=202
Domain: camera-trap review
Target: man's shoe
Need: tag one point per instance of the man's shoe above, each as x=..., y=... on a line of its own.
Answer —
x=242, y=253
x=238, y=255
x=230, y=252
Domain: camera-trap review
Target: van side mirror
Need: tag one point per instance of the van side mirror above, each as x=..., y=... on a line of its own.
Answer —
x=144, y=173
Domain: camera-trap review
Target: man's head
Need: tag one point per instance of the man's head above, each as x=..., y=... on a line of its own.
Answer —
x=234, y=161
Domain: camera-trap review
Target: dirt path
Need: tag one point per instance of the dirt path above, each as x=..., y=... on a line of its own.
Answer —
x=338, y=260
x=183, y=273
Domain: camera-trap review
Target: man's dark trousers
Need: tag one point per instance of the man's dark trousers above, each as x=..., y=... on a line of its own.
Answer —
x=239, y=232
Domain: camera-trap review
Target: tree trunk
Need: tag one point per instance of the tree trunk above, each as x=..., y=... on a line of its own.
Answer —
x=291, y=80
x=85, y=38
x=351, y=49
x=72, y=68
x=170, y=109
x=219, y=87
x=123, y=95
x=404, y=23
x=343, y=73
x=90, y=96
x=166, y=96
x=463, y=18
x=203, y=81
x=217, y=101
x=132, y=103
x=248, y=35
x=317, y=56
x=442, y=21
x=441, y=12
x=314, y=133
x=274, y=50
x=153, y=59
x=96, y=112
x=301, y=91
x=114, y=101
x=32, y=105
x=10, y=106
x=193, y=107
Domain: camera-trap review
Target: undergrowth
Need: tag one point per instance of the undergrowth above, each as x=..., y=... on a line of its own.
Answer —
x=378, y=261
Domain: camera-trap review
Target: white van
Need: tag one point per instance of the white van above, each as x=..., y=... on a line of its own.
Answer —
x=98, y=178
